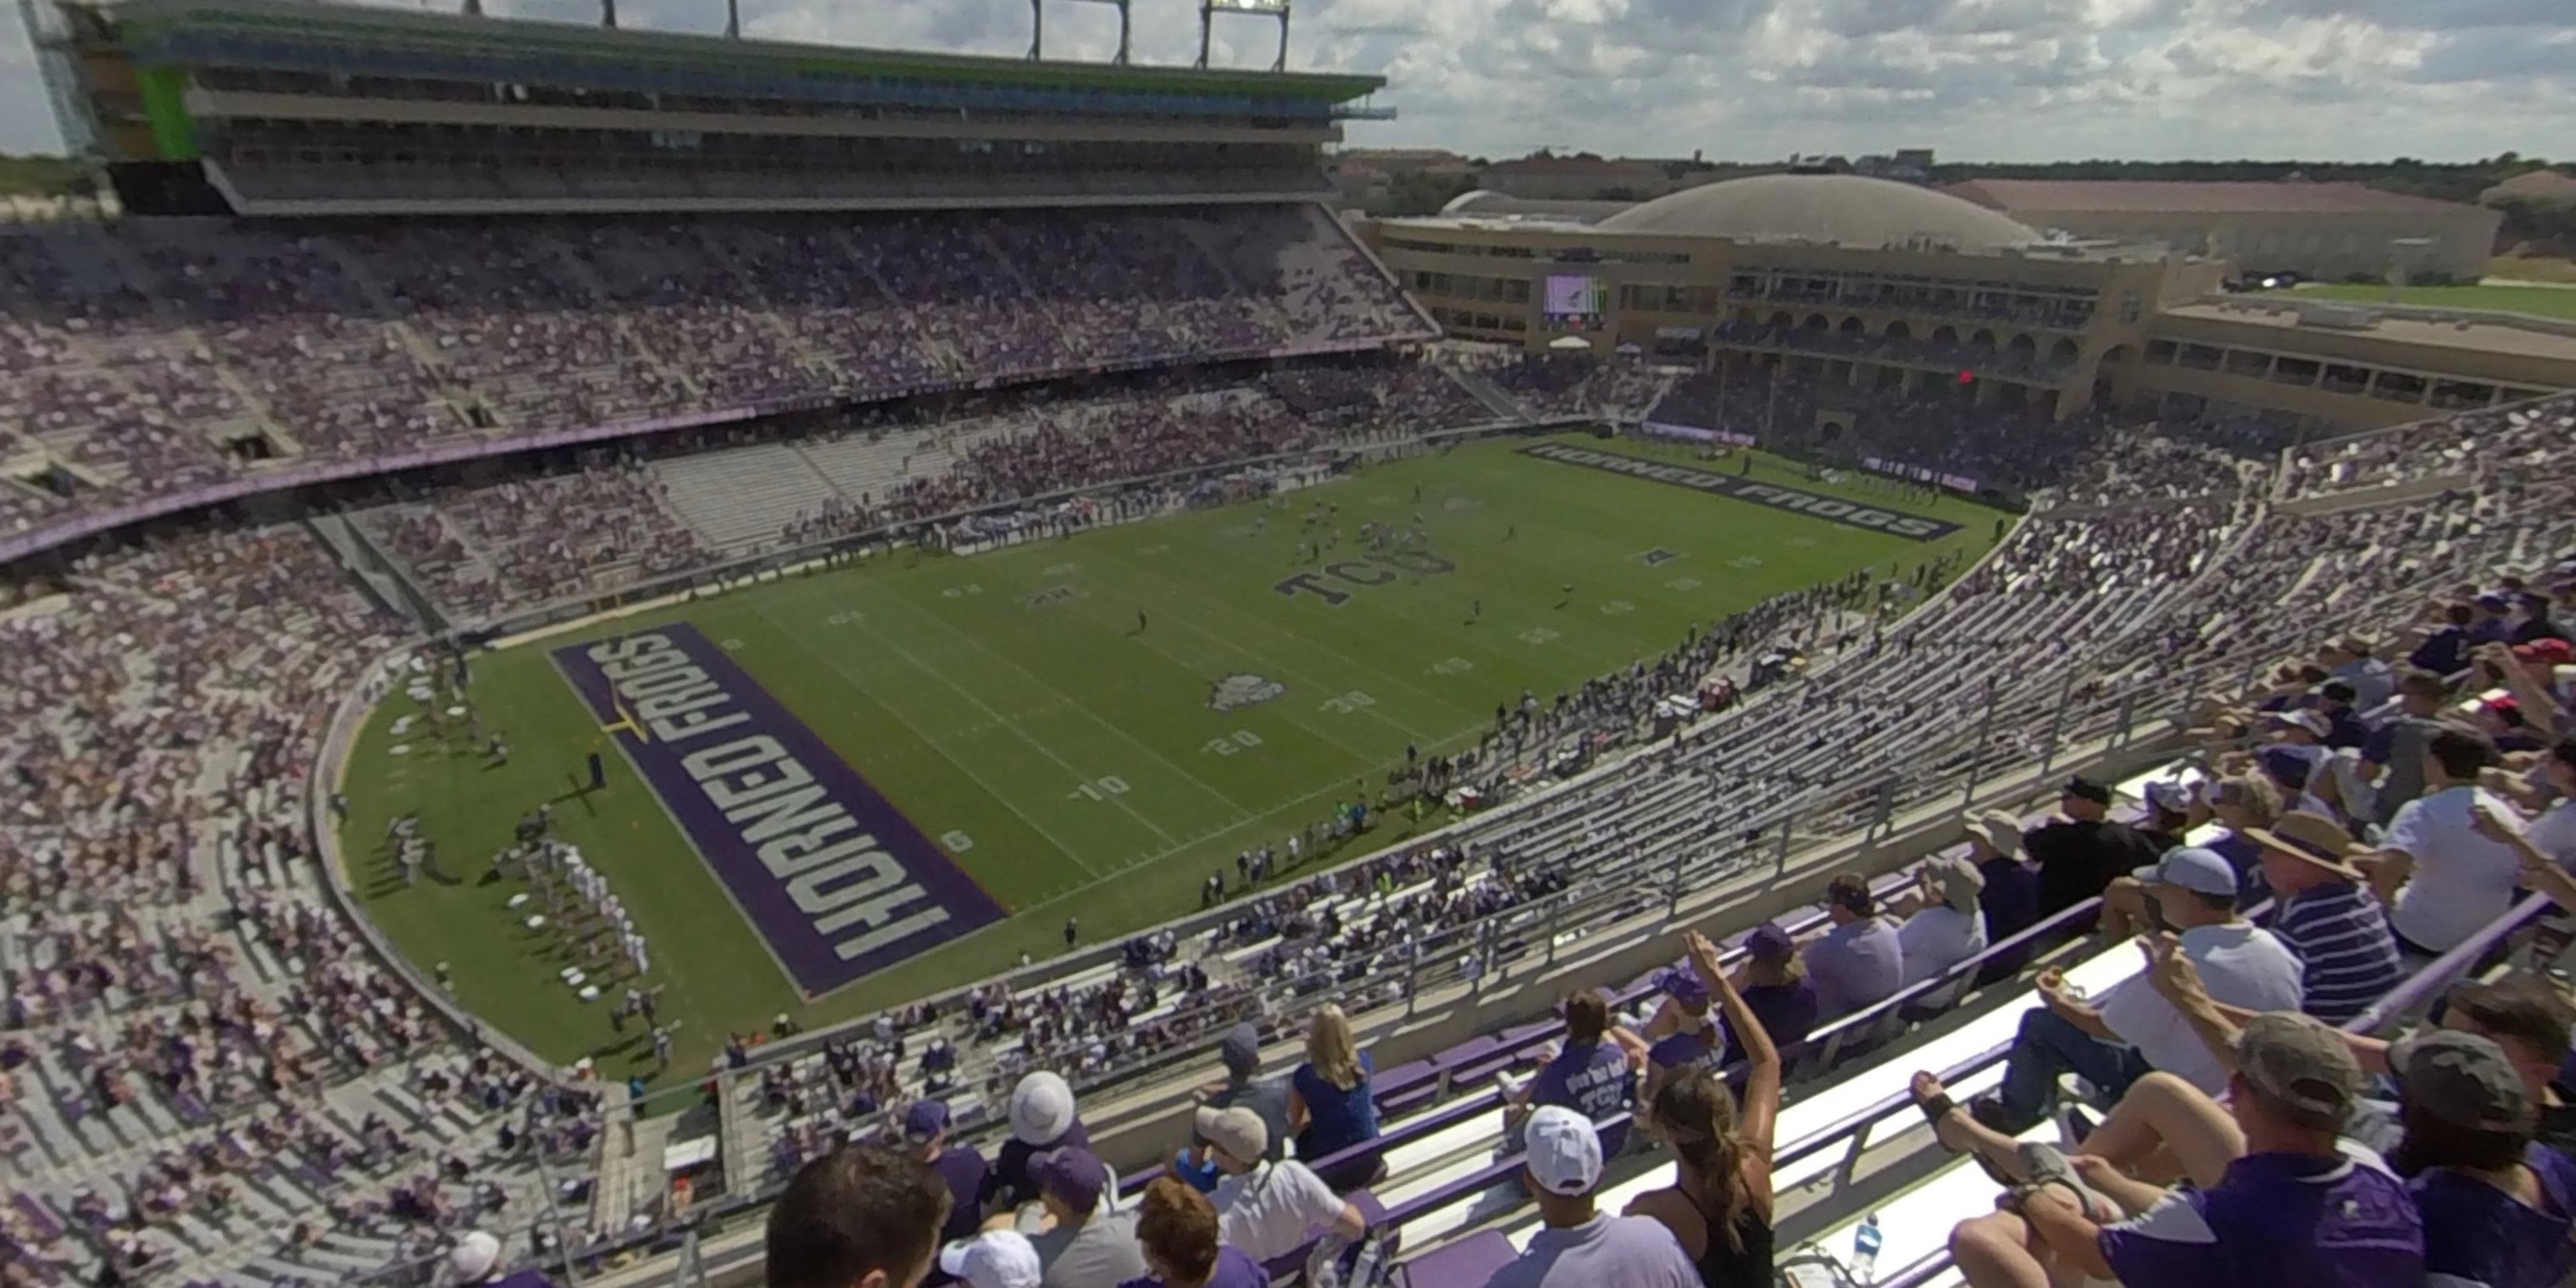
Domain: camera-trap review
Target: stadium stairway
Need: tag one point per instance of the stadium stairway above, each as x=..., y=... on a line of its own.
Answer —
x=1492, y=395
x=1432, y=1034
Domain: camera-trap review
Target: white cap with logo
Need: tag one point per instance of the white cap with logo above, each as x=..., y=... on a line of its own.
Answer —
x=993, y=1259
x=1564, y=1151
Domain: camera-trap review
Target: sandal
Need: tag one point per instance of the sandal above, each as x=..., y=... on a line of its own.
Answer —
x=1940, y=1106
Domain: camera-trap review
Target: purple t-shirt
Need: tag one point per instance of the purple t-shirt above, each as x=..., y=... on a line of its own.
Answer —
x=1689, y=1049
x=1010, y=1175
x=1857, y=964
x=1592, y=1080
x=1787, y=1012
x=963, y=1169
x=2478, y=1236
x=1234, y=1269
x=2275, y=1219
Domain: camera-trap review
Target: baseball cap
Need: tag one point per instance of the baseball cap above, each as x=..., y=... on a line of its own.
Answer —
x=2555, y=652
x=1999, y=828
x=1237, y=1131
x=2198, y=870
x=2313, y=722
x=2300, y=1062
x=1075, y=1176
x=2463, y=1079
x=1769, y=943
x=2310, y=836
x=993, y=1259
x=2171, y=797
x=474, y=1256
x=1564, y=1151
x=1682, y=984
x=1960, y=881
x=1041, y=1108
x=1241, y=1051
x=926, y=1118
x=2083, y=788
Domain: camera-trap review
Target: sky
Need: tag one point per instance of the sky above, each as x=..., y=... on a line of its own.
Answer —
x=2001, y=80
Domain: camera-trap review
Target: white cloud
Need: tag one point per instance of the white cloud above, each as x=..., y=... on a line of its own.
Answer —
x=1753, y=79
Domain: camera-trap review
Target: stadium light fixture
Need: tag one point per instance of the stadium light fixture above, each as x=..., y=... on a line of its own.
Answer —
x=1209, y=9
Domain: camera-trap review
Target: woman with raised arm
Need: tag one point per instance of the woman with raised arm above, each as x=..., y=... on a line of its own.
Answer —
x=1719, y=1206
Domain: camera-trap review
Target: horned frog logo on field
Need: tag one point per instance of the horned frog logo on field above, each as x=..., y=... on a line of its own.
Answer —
x=1243, y=689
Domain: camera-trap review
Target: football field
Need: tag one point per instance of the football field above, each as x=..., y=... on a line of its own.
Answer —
x=830, y=793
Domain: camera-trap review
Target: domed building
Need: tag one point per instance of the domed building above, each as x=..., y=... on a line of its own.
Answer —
x=1907, y=295
x=1835, y=209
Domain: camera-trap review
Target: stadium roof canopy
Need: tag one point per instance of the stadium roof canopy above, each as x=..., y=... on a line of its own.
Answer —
x=300, y=34
x=1503, y=205
x=1846, y=209
x=2158, y=196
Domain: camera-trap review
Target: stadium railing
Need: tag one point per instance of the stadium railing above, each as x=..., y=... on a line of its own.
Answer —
x=736, y=1251
x=2119, y=713
x=1842, y=1046
x=2410, y=1001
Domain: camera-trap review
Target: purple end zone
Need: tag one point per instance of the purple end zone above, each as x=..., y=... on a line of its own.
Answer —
x=830, y=873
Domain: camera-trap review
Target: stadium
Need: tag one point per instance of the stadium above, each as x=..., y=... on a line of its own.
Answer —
x=601, y=614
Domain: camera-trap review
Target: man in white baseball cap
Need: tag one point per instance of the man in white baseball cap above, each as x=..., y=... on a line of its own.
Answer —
x=1042, y=1118
x=2132, y=1030
x=476, y=1259
x=1266, y=1208
x=1579, y=1247
x=993, y=1259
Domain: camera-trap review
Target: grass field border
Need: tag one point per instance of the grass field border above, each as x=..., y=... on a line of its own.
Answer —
x=360, y=701
x=1424, y=711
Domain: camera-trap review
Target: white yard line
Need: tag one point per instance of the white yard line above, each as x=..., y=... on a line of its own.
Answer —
x=1189, y=842
x=990, y=789
x=1094, y=716
x=1205, y=601
x=979, y=704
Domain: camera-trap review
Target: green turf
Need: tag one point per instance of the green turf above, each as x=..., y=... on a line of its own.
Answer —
x=977, y=713
x=2542, y=301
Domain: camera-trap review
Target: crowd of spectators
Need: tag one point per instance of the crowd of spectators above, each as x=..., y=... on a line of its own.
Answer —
x=195, y=1039
x=167, y=945
x=2218, y=1054
x=2505, y=448
x=149, y=360
x=595, y=520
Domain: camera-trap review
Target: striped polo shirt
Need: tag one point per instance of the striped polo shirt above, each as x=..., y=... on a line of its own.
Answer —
x=2341, y=937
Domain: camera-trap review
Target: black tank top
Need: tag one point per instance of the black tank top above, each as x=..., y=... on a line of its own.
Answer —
x=1721, y=1266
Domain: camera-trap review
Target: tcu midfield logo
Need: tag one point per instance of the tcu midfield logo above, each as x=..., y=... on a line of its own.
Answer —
x=1243, y=689
x=1372, y=570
